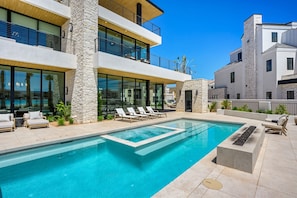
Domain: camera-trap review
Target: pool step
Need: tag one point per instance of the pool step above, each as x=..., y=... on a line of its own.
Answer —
x=36, y=153
x=168, y=141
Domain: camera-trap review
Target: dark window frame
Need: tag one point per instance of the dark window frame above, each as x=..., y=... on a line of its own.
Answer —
x=274, y=37
x=269, y=65
x=290, y=63
x=232, y=77
x=290, y=95
x=268, y=95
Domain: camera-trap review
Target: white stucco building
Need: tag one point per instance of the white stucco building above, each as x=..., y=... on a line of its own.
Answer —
x=265, y=65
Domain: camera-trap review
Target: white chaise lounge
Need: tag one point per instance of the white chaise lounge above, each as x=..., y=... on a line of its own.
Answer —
x=35, y=119
x=156, y=112
x=133, y=113
x=7, y=122
x=121, y=113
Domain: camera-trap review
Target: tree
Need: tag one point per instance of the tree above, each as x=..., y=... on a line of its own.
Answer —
x=183, y=65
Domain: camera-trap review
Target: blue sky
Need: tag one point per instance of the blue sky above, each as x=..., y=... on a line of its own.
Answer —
x=207, y=31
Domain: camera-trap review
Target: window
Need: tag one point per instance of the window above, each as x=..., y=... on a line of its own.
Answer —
x=274, y=37
x=290, y=64
x=232, y=77
x=239, y=57
x=290, y=95
x=269, y=95
x=268, y=65
x=238, y=96
x=228, y=96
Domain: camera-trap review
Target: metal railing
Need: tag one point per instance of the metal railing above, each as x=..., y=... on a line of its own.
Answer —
x=131, y=16
x=118, y=49
x=33, y=37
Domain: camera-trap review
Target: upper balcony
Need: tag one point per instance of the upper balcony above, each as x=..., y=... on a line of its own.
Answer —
x=52, y=11
x=123, y=8
x=136, y=60
x=28, y=47
x=118, y=17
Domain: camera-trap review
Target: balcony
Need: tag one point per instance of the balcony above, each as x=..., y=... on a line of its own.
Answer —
x=131, y=16
x=137, y=54
x=27, y=47
x=33, y=37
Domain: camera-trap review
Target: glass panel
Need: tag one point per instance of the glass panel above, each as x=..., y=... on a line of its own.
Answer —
x=52, y=90
x=5, y=88
x=49, y=36
x=141, y=51
x=114, y=91
x=26, y=90
x=128, y=92
x=140, y=93
x=3, y=24
x=22, y=20
x=128, y=47
x=102, y=38
x=102, y=92
x=113, y=45
x=159, y=96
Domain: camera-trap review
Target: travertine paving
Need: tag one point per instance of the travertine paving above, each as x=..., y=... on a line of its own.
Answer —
x=274, y=175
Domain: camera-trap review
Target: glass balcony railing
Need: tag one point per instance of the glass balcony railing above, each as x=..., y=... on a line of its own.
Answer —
x=137, y=54
x=33, y=37
x=128, y=14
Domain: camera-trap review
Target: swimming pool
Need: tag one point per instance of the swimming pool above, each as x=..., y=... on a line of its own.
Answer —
x=98, y=167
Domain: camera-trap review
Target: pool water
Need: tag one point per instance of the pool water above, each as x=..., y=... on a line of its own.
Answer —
x=111, y=170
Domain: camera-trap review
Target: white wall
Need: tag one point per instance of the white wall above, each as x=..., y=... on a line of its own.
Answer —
x=222, y=79
x=234, y=55
x=266, y=35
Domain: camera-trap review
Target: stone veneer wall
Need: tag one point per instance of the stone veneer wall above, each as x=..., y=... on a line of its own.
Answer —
x=82, y=83
x=249, y=44
x=199, y=102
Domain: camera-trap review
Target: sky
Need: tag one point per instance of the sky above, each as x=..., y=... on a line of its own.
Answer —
x=206, y=31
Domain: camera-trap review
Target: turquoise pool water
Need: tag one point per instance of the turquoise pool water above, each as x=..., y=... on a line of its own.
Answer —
x=109, y=169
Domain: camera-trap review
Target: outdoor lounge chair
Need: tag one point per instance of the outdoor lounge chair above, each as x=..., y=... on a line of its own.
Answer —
x=133, y=113
x=7, y=122
x=279, y=127
x=35, y=119
x=143, y=112
x=275, y=120
x=156, y=112
x=121, y=113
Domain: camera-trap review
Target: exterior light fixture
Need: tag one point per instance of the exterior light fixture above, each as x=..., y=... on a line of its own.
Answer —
x=70, y=27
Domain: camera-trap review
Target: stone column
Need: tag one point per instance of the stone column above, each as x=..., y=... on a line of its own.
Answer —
x=84, y=17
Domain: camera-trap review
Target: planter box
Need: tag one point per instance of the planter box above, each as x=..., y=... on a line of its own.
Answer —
x=243, y=114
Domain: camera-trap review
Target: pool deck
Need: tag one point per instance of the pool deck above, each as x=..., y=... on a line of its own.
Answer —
x=275, y=173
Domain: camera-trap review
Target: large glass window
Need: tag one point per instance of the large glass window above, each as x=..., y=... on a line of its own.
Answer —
x=52, y=90
x=27, y=89
x=114, y=93
x=49, y=36
x=156, y=95
x=290, y=63
x=128, y=47
x=102, y=90
x=142, y=51
x=113, y=45
x=140, y=93
x=5, y=88
x=268, y=65
x=269, y=95
x=3, y=19
x=102, y=39
x=23, y=29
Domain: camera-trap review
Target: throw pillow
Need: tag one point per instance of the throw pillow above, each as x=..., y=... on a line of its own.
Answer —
x=4, y=117
x=34, y=115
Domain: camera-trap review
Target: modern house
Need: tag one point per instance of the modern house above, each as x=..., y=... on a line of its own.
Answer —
x=86, y=52
x=265, y=65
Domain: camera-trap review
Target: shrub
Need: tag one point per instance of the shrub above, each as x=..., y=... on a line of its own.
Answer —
x=71, y=120
x=51, y=118
x=100, y=118
x=226, y=104
x=109, y=117
x=234, y=108
x=212, y=107
x=63, y=110
x=244, y=108
x=281, y=109
x=61, y=121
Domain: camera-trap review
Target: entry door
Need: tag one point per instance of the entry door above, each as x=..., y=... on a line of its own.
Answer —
x=188, y=100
